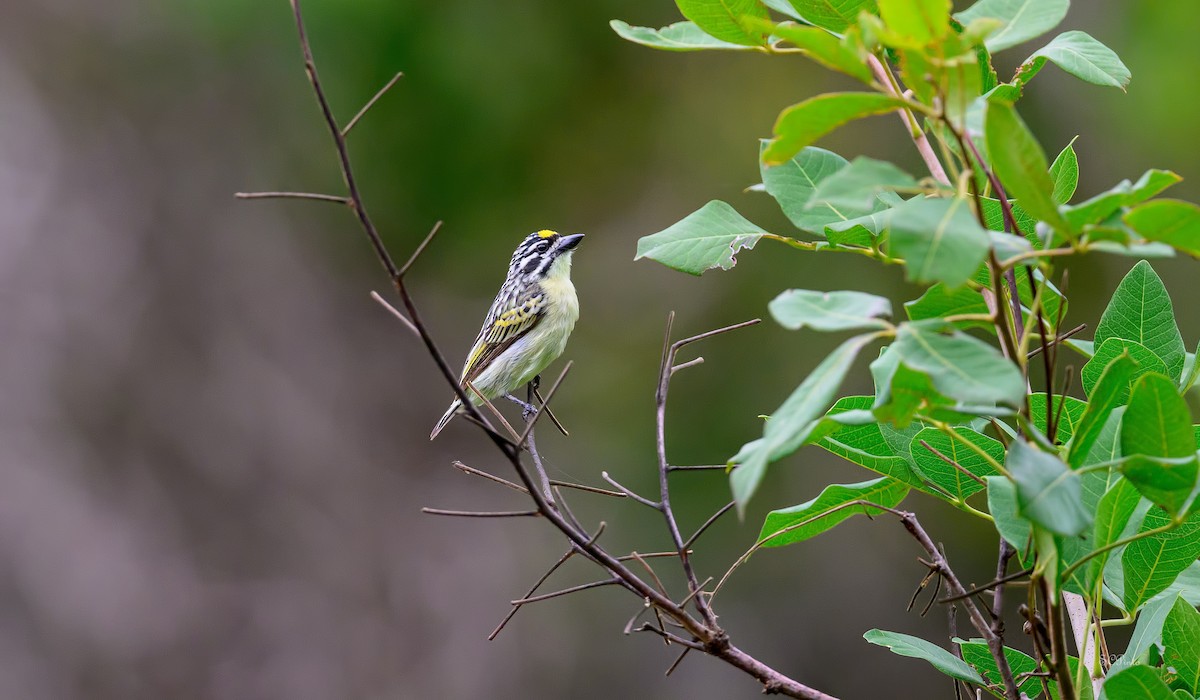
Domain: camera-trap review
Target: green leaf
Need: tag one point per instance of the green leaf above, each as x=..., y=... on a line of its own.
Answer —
x=917, y=648
x=939, y=240
x=1137, y=683
x=1112, y=515
x=834, y=15
x=1048, y=492
x=856, y=186
x=1064, y=171
x=1080, y=55
x=802, y=124
x=1123, y=194
x=820, y=515
x=1168, y=221
x=792, y=185
x=1140, y=310
x=829, y=311
x=1181, y=639
x=866, y=446
x=1152, y=563
x=977, y=653
x=917, y=23
x=1158, y=424
x=1002, y=504
x=1023, y=19
x=1020, y=163
x=940, y=301
x=1109, y=393
x=824, y=48
x=1146, y=361
x=726, y=19
x=993, y=217
x=705, y=239
x=789, y=426
x=681, y=36
x=1147, y=633
x=946, y=476
x=962, y=368
x=1069, y=415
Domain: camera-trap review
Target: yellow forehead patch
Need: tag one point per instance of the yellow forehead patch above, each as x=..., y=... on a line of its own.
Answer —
x=546, y=233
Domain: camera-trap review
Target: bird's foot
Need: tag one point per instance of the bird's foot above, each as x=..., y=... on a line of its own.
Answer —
x=527, y=409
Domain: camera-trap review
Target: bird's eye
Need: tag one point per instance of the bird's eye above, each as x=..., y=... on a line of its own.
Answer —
x=543, y=246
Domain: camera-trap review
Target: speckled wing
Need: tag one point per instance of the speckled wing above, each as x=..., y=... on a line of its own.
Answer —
x=506, y=323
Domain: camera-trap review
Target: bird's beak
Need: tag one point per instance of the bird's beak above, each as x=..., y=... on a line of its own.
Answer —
x=567, y=243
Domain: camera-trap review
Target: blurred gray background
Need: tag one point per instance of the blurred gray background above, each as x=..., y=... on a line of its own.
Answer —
x=213, y=445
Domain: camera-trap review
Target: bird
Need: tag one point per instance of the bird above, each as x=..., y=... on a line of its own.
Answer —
x=527, y=326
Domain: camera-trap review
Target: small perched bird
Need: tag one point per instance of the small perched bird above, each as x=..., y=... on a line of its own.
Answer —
x=528, y=325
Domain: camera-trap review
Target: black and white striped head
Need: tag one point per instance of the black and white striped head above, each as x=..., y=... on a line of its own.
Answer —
x=535, y=258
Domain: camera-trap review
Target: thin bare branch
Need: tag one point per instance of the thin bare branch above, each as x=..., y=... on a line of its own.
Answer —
x=549, y=413
x=640, y=499
x=420, y=249
x=585, y=487
x=482, y=514
x=712, y=519
x=533, y=589
x=395, y=312
x=697, y=467
x=672, y=638
x=678, y=659
x=490, y=477
x=339, y=142
x=294, y=195
x=538, y=411
x=996, y=583
x=708, y=334
x=566, y=591
x=685, y=365
x=370, y=103
x=647, y=555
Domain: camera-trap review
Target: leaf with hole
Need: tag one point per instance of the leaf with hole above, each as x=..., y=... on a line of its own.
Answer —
x=706, y=239
x=1079, y=54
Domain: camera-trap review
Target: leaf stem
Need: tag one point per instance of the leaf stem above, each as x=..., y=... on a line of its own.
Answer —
x=1066, y=573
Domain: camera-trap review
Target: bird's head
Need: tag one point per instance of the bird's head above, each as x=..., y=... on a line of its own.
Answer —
x=544, y=254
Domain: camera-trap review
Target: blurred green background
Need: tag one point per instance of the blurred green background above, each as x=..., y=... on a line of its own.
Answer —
x=213, y=445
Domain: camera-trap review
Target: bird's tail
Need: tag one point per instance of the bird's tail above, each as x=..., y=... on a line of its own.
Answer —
x=445, y=418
